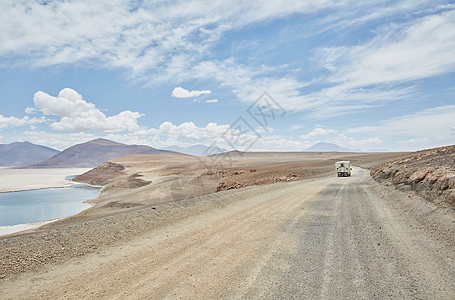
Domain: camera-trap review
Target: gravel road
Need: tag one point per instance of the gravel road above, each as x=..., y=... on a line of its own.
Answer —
x=324, y=238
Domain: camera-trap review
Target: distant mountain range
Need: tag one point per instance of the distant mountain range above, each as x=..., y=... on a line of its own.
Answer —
x=93, y=153
x=327, y=147
x=197, y=150
x=24, y=153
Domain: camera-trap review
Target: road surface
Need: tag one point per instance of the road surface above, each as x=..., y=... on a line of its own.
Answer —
x=315, y=239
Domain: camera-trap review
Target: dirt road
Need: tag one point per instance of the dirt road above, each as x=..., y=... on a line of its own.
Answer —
x=325, y=238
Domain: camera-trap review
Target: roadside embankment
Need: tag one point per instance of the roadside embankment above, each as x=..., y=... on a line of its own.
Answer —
x=430, y=173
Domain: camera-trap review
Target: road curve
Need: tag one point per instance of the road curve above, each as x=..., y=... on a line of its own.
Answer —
x=314, y=239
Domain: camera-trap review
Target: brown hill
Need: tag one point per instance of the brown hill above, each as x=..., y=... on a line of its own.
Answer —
x=431, y=173
x=24, y=153
x=95, y=152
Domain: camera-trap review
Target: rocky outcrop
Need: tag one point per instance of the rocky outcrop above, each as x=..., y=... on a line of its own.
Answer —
x=430, y=173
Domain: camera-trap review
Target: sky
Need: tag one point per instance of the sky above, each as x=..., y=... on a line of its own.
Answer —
x=243, y=75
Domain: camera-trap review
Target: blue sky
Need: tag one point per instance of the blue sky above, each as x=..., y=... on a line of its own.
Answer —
x=366, y=75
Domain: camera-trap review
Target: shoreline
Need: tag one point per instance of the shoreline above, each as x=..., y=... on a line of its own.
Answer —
x=68, y=185
x=36, y=189
x=21, y=228
x=18, y=180
x=10, y=229
x=57, y=179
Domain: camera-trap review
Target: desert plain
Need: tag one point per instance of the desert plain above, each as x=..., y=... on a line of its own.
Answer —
x=238, y=225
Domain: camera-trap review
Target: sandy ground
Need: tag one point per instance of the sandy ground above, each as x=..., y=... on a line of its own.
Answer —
x=326, y=238
x=32, y=179
x=136, y=181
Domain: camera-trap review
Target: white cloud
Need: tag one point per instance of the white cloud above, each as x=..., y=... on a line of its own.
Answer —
x=212, y=101
x=362, y=77
x=30, y=110
x=368, y=144
x=420, y=49
x=318, y=132
x=58, y=141
x=186, y=134
x=167, y=37
x=295, y=127
x=333, y=136
x=79, y=115
x=168, y=134
x=12, y=121
x=15, y=122
x=189, y=132
x=425, y=129
x=375, y=71
x=248, y=83
x=164, y=41
x=180, y=92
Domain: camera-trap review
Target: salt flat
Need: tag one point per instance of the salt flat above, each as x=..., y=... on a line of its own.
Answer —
x=31, y=179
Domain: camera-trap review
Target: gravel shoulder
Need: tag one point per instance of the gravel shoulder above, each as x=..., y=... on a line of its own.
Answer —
x=318, y=238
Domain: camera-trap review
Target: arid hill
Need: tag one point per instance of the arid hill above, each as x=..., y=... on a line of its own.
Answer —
x=24, y=153
x=431, y=173
x=95, y=152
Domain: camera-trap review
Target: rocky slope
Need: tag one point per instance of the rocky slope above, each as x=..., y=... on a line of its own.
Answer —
x=430, y=173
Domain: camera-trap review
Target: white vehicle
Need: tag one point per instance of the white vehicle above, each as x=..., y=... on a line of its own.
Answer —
x=343, y=168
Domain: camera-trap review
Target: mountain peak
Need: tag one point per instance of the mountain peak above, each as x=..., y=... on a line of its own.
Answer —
x=102, y=141
x=327, y=147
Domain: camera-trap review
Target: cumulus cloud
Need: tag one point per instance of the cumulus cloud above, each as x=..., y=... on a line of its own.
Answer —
x=12, y=121
x=76, y=114
x=180, y=92
x=15, y=122
x=187, y=134
x=30, y=110
x=318, y=132
x=188, y=131
x=212, y=101
x=58, y=141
